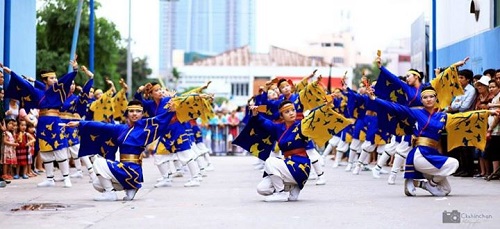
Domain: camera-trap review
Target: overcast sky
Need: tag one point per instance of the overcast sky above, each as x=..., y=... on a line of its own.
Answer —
x=284, y=23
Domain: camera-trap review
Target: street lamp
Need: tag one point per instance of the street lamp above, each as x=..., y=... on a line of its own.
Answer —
x=129, y=53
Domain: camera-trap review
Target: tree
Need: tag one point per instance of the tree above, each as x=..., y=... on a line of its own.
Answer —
x=176, y=75
x=56, y=21
x=140, y=70
x=371, y=72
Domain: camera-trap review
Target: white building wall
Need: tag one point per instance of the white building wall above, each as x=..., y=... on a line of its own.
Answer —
x=455, y=20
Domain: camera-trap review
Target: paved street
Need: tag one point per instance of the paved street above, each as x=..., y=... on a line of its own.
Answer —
x=227, y=199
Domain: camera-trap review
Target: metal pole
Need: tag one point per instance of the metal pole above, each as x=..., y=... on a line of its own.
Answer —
x=6, y=42
x=434, y=49
x=75, y=34
x=129, y=53
x=91, y=36
x=330, y=80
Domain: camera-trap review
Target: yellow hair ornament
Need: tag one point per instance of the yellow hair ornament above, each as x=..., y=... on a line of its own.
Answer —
x=286, y=107
x=134, y=107
x=414, y=73
x=428, y=92
x=47, y=74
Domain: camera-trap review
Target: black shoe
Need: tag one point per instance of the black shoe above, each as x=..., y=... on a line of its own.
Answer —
x=457, y=173
x=6, y=181
x=466, y=174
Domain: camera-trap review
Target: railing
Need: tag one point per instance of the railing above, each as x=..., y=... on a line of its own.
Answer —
x=218, y=138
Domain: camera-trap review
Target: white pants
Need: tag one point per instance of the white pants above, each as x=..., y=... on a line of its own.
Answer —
x=422, y=165
x=403, y=148
x=185, y=156
x=343, y=147
x=277, y=168
x=101, y=168
x=334, y=141
x=73, y=151
x=163, y=158
x=56, y=155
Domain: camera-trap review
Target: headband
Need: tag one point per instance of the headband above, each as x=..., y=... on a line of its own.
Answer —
x=286, y=107
x=414, y=73
x=47, y=74
x=134, y=107
x=156, y=86
x=427, y=92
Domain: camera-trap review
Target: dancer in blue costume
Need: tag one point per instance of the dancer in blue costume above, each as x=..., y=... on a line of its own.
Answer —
x=131, y=138
x=294, y=168
x=291, y=93
x=73, y=109
x=391, y=88
x=52, y=143
x=424, y=160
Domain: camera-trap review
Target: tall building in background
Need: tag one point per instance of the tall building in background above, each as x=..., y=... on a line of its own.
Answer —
x=205, y=27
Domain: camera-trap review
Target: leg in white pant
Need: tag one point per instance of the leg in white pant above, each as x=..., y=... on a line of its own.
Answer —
x=434, y=175
x=341, y=150
x=265, y=187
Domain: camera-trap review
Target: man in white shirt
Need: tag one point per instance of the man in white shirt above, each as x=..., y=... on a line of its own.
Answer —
x=464, y=103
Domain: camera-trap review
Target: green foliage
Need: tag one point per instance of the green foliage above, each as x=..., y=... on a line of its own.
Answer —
x=370, y=71
x=140, y=69
x=220, y=100
x=56, y=21
x=187, y=89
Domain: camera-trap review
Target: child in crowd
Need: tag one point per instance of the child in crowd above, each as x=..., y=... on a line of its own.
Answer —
x=22, y=150
x=9, y=150
x=31, y=148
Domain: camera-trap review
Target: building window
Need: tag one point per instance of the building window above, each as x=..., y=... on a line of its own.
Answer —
x=338, y=60
x=336, y=44
x=239, y=89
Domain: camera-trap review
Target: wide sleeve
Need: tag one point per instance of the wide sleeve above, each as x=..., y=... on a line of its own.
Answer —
x=389, y=87
x=392, y=117
x=322, y=123
x=257, y=137
x=84, y=98
x=447, y=86
x=467, y=129
x=103, y=107
x=145, y=131
x=312, y=95
x=120, y=103
x=99, y=138
x=22, y=91
x=191, y=107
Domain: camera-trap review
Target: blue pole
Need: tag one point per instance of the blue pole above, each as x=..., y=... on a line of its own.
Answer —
x=91, y=36
x=434, y=49
x=6, y=45
x=6, y=40
x=75, y=33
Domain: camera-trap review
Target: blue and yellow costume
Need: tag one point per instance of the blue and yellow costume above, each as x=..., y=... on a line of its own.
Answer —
x=50, y=137
x=131, y=140
x=428, y=131
x=73, y=109
x=292, y=143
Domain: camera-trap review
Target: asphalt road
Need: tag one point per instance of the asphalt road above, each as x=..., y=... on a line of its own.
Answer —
x=227, y=199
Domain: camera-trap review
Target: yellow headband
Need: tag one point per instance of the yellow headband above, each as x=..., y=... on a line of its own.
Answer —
x=157, y=86
x=284, y=81
x=427, y=92
x=134, y=107
x=414, y=73
x=46, y=75
x=98, y=91
x=286, y=107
